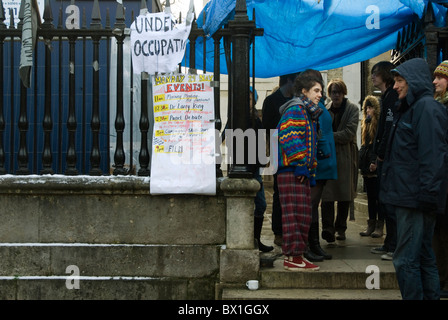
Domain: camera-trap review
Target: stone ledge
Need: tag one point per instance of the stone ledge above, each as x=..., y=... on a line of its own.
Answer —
x=36, y=259
x=81, y=184
x=240, y=187
x=41, y=288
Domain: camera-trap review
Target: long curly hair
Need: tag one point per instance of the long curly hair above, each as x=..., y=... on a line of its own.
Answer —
x=369, y=127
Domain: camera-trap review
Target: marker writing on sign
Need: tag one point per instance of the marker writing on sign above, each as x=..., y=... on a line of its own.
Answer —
x=184, y=87
x=154, y=23
x=158, y=47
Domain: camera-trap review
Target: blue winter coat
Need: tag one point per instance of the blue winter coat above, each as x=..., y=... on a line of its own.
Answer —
x=326, y=150
x=414, y=173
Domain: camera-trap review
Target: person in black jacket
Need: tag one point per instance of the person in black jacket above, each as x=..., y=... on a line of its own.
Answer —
x=383, y=80
x=367, y=166
x=414, y=178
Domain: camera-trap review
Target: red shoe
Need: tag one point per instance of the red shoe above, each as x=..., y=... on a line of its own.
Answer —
x=298, y=263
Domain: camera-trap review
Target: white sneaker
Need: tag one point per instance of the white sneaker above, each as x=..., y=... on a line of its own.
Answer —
x=388, y=256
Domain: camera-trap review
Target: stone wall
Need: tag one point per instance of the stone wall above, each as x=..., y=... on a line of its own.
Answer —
x=122, y=242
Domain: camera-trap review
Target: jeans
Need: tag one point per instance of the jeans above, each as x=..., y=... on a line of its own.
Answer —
x=414, y=259
x=390, y=241
x=388, y=212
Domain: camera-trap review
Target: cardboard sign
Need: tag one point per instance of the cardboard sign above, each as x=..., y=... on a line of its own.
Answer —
x=183, y=154
x=157, y=42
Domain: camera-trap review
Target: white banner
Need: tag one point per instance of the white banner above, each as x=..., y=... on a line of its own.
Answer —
x=158, y=43
x=183, y=147
x=31, y=19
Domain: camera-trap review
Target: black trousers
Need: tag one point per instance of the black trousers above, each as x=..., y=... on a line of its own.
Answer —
x=371, y=184
x=329, y=223
x=276, y=210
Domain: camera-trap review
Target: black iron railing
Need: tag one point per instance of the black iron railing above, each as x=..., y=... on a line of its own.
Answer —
x=422, y=39
x=61, y=124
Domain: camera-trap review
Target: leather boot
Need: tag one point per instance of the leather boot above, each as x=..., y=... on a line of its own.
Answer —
x=313, y=242
x=370, y=228
x=278, y=240
x=378, y=233
x=311, y=256
x=258, y=225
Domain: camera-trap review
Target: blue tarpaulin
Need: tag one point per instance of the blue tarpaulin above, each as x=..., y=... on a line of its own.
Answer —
x=317, y=34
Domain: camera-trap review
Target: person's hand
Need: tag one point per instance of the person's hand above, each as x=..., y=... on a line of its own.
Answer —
x=426, y=207
x=301, y=179
x=372, y=167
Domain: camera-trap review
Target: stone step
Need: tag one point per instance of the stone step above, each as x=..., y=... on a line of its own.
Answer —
x=343, y=277
x=43, y=271
x=338, y=273
x=311, y=294
x=111, y=260
x=346, y=270
x=353, y=274
x=103, y=288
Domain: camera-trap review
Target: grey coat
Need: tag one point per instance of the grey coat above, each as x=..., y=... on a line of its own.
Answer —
x=344, y=188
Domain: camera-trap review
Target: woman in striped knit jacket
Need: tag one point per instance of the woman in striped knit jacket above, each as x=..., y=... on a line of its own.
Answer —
x=297, y=145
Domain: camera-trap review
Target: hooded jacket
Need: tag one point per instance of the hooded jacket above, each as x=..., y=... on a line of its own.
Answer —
x=414, y=173
x=297, y=140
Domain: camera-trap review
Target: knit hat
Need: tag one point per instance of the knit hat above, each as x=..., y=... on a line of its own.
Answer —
x=442, y=70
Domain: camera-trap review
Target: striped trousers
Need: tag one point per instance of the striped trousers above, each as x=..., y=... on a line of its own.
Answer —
x=295, y=199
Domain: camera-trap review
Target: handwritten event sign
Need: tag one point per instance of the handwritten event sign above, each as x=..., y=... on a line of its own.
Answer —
x=157, y=42
x=183, y=155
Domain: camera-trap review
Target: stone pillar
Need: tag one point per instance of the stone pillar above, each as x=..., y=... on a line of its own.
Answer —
x=240, y=195
x=239, y=260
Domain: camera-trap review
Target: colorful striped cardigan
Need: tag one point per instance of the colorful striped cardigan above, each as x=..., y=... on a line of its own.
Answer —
x=297, y=141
